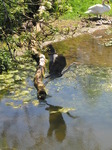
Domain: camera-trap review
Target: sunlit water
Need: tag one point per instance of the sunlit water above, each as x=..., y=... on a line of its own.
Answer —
x=77, y=113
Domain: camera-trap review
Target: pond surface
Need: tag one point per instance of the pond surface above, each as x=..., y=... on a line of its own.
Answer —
x=77, y=113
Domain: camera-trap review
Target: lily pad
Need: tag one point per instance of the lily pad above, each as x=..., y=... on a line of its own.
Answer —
x=35, y=102
x=17, y=78
x=9, y=81
x=62, y=110
x=24, y=93
x=17, y=106
x=9, y=103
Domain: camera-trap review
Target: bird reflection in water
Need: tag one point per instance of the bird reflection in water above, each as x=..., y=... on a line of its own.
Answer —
x=57, y=123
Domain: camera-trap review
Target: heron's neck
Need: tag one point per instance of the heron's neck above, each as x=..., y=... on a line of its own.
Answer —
x=103, y=2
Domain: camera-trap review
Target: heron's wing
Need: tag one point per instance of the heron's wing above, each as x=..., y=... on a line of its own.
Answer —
x=95, y=7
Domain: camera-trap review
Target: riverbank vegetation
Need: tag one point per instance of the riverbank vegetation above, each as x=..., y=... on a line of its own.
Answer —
x=26, y=24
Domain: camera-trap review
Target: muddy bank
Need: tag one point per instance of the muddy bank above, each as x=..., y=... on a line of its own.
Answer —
x=73, y=28
x=90, y=46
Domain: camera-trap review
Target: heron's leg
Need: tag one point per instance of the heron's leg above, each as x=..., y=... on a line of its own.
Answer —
x=100, y=17
x=89, y=16
x=97, y=15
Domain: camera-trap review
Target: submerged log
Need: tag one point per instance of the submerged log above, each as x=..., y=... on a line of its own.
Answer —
x=38, y=79
x=56, y=65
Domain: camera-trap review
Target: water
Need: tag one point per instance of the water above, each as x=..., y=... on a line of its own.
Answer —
x=77, y=113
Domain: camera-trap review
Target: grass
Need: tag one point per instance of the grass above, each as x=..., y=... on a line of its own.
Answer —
x=80, y=6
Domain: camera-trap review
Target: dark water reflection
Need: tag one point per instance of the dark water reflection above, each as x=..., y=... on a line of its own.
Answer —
x=54, y=124
x=57, y=124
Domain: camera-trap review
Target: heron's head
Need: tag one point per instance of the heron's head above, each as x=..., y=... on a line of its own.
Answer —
x=105, y=1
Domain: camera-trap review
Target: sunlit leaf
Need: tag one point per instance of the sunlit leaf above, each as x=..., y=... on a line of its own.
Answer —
x=2, y=77
x=25, y=102
x=2, y=88
x=21, y=66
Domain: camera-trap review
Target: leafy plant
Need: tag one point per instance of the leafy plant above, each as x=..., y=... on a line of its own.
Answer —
x=5, y=60
x=18, y=25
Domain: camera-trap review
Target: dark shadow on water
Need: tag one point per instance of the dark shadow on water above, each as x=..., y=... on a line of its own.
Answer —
x=57, y=123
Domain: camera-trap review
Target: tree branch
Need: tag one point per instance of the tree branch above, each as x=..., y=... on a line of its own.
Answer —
x=5, y=10
x=7, y=43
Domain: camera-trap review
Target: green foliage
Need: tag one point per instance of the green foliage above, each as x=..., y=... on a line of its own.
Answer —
x=11, y=13
x=18, y=21
x=5, y=60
